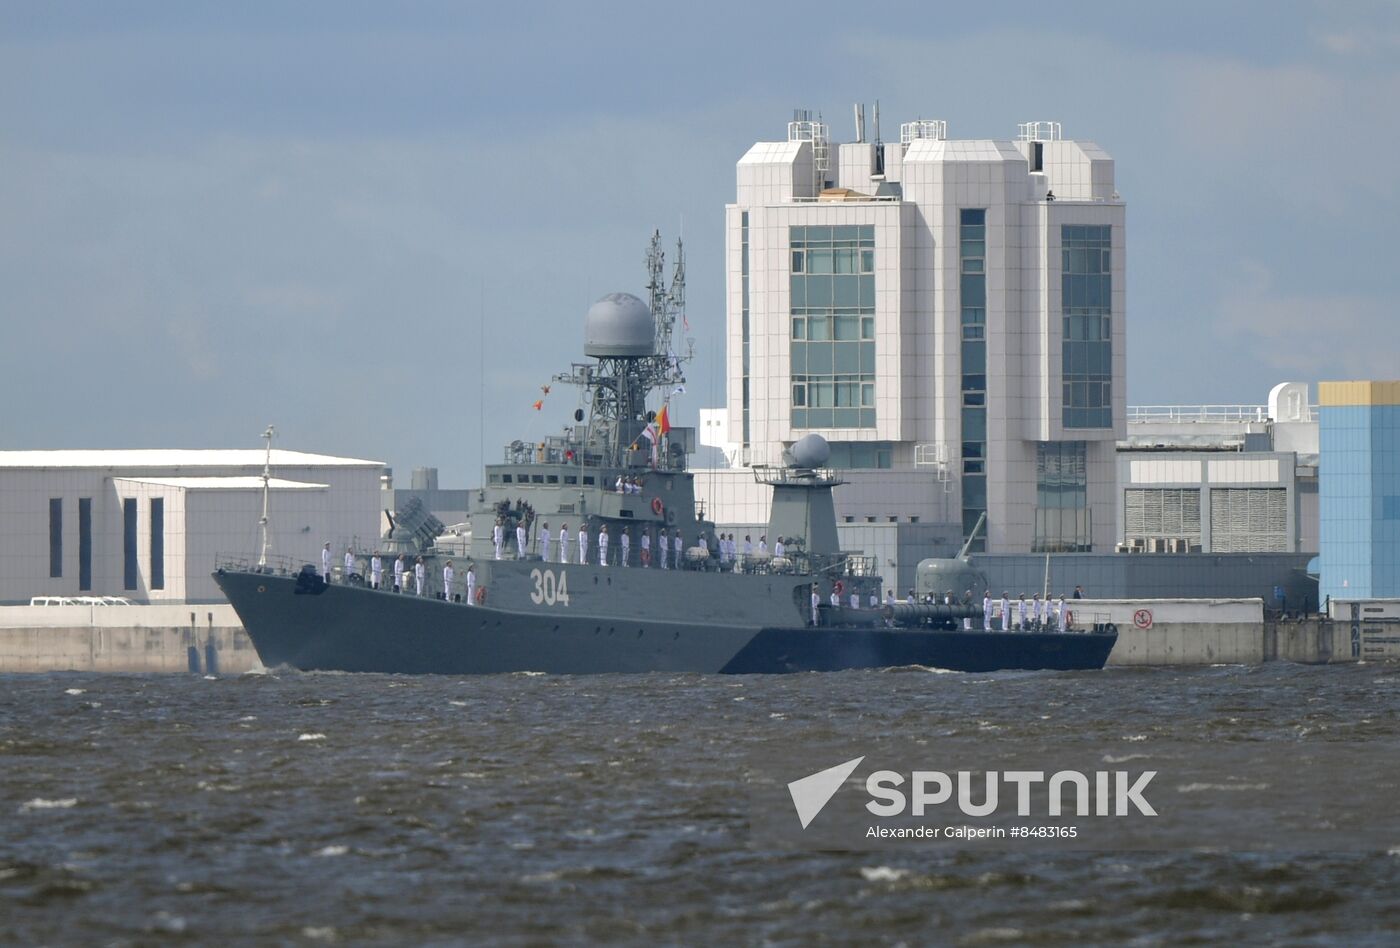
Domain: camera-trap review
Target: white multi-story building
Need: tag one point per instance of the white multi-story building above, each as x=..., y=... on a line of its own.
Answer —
x=147, y=525
x=952, y=310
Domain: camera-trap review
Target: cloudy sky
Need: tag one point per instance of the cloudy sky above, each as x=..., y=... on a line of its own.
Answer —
x=329, y=215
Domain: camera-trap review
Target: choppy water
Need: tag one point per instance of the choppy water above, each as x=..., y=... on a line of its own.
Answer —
x=517, y=809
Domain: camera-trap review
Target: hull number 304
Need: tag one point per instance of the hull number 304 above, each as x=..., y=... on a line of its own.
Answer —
x=549, y=589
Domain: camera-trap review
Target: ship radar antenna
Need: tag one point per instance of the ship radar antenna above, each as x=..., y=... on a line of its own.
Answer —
x=266, y=490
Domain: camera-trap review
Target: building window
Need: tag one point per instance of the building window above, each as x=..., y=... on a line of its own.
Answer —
x=1087, y=346
x=130, y=573
x=157, y=543
x=84, y=544
x=744, y=324
x=56, y=537
x=1062, y=522
x=856, y=455
x=972, y=299
x=832, y=308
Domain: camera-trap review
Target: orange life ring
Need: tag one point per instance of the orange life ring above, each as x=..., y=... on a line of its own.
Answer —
x=657, y=507
x=839, y=588
x=481, y=595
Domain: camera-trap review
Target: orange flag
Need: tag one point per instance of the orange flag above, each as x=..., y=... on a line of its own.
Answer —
x=663, y=421
x=539, y=404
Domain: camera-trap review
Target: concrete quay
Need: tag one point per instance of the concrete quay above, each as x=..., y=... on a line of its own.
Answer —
x=1151, y=632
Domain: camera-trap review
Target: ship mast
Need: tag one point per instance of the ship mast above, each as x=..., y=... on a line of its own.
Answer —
x=266, y=490
x=617, y=387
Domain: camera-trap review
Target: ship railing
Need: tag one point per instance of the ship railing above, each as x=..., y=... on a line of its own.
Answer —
x=272, y=564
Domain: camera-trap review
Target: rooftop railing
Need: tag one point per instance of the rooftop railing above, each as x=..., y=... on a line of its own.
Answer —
x=1200, y=414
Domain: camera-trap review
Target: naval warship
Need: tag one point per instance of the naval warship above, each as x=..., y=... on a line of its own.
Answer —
x=536, y=601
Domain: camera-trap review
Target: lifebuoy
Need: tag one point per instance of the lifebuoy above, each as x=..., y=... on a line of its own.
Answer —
x=657, y=507
x=839, y=588
x=481, y=595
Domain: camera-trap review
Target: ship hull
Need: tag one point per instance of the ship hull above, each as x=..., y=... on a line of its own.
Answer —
x=349, y=628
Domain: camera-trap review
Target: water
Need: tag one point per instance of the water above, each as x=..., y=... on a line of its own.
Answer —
x=327, y=808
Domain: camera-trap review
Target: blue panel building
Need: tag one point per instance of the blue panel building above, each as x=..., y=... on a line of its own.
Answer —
x=1359, y=489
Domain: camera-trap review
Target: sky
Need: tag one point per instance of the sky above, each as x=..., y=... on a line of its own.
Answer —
x=378, y=226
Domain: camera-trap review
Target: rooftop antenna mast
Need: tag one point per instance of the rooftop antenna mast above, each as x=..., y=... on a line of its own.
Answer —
x=267, y=489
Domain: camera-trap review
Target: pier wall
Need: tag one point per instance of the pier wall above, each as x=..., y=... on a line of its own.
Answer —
x=138, y=638
x=157, y=638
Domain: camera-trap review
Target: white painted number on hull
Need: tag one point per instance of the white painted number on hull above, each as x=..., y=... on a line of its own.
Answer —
x=549, y=590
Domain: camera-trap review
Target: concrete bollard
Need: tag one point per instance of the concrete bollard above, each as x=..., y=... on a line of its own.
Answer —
x=192, y=654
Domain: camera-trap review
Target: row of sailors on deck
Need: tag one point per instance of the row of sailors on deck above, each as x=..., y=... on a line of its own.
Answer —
x=407, y=578
x=1023, y=615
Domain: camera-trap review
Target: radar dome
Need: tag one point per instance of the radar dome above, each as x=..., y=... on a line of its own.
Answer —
x=619, y=324
x=810, y=452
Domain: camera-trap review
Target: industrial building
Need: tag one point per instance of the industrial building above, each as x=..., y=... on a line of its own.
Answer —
x=147, y=525
x=1359, y=552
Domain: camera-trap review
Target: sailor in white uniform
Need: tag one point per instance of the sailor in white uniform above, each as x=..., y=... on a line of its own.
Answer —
x=987, y=611
x=419, y=575
x=564, y=543
x=779, y=550
x=1005, y=612
x=603, y=545
x=376, y=571
x=520, y=540
x=1061, y=613
x=544, y=541
x=583, y=544
x=326, y=562
x=447, y=574
x=471, y=584
x=663, y=546
x=835, y=598
x=1043, y=619
x=646, y=549
x=763, y=546
x=676, y=546
x=398, y=573
x=816, y=603
x=874, y=599
x=498, y=536
x=1021, y=613
x=625, y=541
x=855, y=599
x=349, y=565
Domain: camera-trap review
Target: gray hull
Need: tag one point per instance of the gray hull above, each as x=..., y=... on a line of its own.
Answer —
x=351, y=628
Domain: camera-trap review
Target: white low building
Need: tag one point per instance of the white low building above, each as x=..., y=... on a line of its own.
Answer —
x=148, y=524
